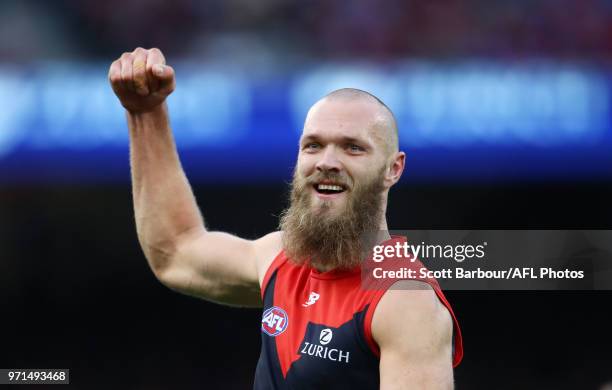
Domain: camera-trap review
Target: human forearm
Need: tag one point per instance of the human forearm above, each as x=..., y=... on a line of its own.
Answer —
x=164, y=204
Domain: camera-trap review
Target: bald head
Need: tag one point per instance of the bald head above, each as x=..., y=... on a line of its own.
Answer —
x=384, y=122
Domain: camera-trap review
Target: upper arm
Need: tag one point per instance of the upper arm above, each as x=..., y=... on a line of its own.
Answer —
x=221, y=267
x=414, y=333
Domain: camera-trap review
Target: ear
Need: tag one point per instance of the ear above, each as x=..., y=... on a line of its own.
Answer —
x=395, y=169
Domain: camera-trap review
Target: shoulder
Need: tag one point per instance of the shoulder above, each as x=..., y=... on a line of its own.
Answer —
x=414, y=332
x=410, y=317
x=266, y=250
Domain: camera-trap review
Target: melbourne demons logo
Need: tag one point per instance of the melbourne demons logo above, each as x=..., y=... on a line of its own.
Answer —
x=274, y=321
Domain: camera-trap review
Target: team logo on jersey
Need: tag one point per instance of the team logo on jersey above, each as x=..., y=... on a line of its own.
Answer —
x=274, y=321
x=325, y=336
x=311, y=299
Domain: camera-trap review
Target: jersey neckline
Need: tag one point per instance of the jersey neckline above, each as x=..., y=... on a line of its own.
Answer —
x=344, y=273
x=334, y=273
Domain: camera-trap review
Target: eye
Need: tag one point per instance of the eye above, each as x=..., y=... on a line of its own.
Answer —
x=312, y=146
x=355, y=148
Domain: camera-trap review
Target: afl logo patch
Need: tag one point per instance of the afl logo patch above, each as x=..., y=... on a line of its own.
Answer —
x=274, y=321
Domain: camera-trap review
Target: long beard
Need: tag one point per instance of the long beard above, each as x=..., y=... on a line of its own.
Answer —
x=327, y=241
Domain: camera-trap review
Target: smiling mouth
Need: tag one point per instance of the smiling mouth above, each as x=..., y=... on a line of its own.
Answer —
x=329, y=189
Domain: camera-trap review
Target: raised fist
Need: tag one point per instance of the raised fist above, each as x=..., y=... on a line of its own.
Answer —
x=141, y=79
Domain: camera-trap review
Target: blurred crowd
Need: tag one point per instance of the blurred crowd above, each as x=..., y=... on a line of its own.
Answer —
x=296, y=31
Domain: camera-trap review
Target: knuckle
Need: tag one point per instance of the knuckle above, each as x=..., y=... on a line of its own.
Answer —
x=126, y=76
x=158, y=55
x=126, y=56
x=138, y=63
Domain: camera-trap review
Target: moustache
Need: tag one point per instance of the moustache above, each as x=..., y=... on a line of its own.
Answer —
x=333, y=177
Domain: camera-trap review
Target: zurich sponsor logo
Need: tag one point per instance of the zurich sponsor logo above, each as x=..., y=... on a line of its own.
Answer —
x=325, y=336
x=274, y=321
x=323, y=351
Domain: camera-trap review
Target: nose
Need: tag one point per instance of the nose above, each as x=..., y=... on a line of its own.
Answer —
x=329, y=160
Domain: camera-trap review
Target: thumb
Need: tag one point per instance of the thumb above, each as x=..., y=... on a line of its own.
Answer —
x=165, y=77
x=163, y=72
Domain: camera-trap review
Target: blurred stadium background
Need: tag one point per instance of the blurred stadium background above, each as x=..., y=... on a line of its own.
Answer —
x=504, y=110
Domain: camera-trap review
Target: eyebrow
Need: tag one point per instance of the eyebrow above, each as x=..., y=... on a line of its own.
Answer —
x=343, y=140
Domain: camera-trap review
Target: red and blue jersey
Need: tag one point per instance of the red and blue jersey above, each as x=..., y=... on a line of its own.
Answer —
x=316, y=329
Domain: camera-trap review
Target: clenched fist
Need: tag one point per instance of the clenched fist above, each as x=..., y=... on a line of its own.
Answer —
x=141, y=79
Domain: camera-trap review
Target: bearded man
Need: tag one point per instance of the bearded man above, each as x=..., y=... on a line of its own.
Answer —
x=320, y=328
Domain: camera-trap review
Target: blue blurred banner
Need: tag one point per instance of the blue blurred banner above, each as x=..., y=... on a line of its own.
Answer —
x=457, y=121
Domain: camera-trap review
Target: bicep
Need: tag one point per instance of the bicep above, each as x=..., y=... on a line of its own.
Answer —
x=414, y=333
x=220, y=267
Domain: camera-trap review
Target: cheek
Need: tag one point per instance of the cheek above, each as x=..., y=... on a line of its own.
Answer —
x=305, y=165
x=361, y=169
x=374, y=170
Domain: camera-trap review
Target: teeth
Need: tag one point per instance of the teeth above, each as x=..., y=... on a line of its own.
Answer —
x=330, y=187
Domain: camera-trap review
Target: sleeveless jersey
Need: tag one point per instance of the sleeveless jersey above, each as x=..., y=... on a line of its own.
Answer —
x=316, y=329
